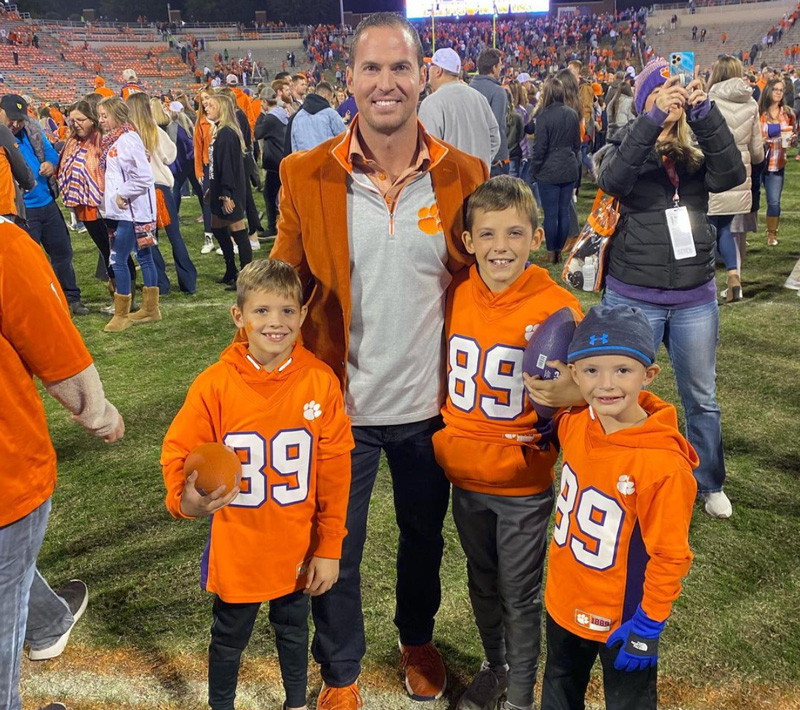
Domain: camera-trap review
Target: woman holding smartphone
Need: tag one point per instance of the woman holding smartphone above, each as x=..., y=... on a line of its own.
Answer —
x=777, y=131
x=663, y=253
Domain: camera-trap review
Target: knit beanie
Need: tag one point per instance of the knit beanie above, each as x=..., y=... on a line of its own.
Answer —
x=614, y=330
x=654, y=74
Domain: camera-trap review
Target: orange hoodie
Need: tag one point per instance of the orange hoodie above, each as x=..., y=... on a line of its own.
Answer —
x=493, y=441
x=294, y=439
x=622, y=520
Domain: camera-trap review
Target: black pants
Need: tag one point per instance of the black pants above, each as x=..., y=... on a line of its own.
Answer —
x=47, y=227
x=566, y=674
x=505, y=540
x=421, y=495
x=230, y=634
x=272, y=186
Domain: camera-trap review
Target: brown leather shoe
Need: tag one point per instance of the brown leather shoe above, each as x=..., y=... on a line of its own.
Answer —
x=424, y=670
x=347, y=698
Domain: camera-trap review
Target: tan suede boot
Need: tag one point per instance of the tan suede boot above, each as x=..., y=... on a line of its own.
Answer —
x=149, y=312
x=122, y=309
x=772, y=231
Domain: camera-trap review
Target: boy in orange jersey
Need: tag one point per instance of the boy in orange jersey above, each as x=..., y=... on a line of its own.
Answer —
x=277, y=538
x=493, y=448
x=621, y=540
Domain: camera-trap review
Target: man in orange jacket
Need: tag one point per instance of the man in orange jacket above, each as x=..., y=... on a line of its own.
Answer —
x=372, y=221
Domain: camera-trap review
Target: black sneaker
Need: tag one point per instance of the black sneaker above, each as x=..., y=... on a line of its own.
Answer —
x=78, y=308
x=76, y=595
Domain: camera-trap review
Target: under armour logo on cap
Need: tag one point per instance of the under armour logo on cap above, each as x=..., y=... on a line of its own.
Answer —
x=595, y=339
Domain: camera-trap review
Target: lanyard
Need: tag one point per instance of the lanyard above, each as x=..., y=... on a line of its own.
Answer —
x=672, y=174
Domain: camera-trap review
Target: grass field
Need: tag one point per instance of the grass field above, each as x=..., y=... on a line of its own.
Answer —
x=733, y=641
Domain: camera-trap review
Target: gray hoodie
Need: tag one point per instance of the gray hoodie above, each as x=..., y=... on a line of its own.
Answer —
x=498, y=101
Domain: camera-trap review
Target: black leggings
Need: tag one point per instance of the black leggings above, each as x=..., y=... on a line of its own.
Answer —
x=230, y=634
x=99, y=233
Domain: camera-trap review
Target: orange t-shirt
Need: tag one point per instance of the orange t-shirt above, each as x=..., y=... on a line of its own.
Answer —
x=621, y=535
x=493, y=441
x=294, y=438
x=37, y=338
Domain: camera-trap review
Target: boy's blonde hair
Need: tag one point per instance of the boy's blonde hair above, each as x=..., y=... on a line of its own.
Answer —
x=502, y=193
x=270, y=275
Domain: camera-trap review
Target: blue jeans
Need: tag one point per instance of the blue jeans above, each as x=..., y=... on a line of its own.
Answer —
x=773, y=186
x=725, y=242
x=47, y=227
x=180, y=181
x=527, y=176
x=421, y=496
x=690, y=336
x=124, y=243
x=187, y=273
x=556, y=199
x=19, y=546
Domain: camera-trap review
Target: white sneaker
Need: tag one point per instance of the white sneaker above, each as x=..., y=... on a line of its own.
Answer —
x=505, y=705
x=792, y=284
x=208, y=245
x=256, y=245
x=486, y=688
x=718, y=505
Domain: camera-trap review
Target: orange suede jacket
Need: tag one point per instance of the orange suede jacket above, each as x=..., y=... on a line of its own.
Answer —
x=312, y=231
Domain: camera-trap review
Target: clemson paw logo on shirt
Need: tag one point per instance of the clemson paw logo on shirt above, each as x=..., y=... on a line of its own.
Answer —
x=529, y=331
x=582, y=619
x=429, y=221
x=312, y=410
x=626, y=486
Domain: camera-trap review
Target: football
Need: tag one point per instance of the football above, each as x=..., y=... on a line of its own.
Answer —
x=216, y=466
x=550, y=341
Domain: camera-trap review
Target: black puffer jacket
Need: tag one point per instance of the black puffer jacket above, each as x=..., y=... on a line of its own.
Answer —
x=556, y=145
x=630, y=169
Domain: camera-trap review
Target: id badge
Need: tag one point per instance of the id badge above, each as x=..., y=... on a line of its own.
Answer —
x=680, y=233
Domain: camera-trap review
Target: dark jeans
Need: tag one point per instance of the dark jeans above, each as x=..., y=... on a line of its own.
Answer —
x=500, y=169
x=187, y=273
x=47, y=227
x=272, y=186
x=566, y=674
x=230, y=633
x=556, y=199
x=421, y=495
x=725, y=242
x=180, y=181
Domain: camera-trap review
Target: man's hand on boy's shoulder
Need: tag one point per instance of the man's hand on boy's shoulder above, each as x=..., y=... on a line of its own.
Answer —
x=559, y=392
x=195, y=505
x=322, y=574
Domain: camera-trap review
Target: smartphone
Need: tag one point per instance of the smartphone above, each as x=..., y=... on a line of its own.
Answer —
x=682, y=64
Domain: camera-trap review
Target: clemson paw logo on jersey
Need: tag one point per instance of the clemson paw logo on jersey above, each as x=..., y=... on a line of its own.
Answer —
x=529, y=331
x=626, y=486
x=312, y=410
x=429, y=222
x=582, y=619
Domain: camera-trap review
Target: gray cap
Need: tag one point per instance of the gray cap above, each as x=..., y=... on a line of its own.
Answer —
x=614, y=330
x=268, y=94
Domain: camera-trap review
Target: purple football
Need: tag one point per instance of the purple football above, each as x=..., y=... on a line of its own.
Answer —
x=550, y=341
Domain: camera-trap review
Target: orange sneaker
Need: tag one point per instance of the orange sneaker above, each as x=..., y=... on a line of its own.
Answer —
x=424, y=670
x=347, y=698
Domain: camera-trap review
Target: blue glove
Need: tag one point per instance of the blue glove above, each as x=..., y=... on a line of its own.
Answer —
x=638, y=639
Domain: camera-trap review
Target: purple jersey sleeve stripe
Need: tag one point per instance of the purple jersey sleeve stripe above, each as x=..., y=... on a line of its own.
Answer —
x=204, y=558
x=634, y=581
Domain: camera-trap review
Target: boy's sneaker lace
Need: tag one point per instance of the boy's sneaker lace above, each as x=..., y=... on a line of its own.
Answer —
x=486, y=688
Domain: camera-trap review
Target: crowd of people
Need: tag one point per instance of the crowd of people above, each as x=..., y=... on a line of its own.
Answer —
x=408, y=148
